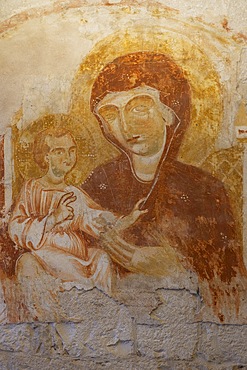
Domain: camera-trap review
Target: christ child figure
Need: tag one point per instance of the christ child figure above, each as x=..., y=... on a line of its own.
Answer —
x=51, y=219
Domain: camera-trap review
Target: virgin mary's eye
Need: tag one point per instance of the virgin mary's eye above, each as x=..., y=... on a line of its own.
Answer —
x=110, y=117
x=140, y=109
x=108, y=113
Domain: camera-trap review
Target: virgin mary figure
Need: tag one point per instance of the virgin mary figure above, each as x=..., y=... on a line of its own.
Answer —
x=142, y=102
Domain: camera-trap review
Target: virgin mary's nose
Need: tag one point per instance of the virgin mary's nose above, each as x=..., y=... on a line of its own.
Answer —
x=123, y=122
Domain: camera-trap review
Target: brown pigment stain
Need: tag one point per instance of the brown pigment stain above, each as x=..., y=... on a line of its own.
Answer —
x=240, y=37
x=225, y=25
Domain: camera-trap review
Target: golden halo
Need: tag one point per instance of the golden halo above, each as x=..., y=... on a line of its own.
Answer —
x=207, y=106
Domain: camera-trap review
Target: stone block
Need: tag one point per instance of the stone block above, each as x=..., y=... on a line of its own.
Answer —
x=175, y=334
x=177, y=342
x=106, y=328
x=33, y=339
x=176, y=306
x=224, y=343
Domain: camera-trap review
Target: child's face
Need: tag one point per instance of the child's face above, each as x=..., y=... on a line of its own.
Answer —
x=62, y=155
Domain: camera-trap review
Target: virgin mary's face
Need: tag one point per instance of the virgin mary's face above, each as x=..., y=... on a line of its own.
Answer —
x=135, y=120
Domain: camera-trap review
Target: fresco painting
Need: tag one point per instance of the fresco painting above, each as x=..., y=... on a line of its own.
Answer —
x=124, y=184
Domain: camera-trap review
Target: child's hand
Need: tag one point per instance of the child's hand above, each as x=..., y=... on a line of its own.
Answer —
x=64, y=211
x=127, y=221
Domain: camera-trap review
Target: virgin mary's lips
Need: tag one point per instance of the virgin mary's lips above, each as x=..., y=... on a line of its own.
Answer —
x=133, y=138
